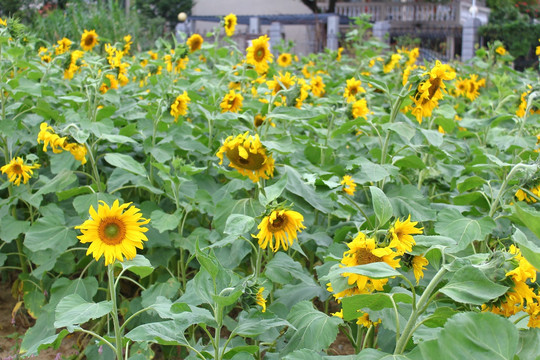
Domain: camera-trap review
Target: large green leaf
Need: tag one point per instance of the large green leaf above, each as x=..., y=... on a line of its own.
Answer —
x=529, y=250
x=238, y=224
x=162, y=221
x=464, y=230
x=529, y=344
x=257, y=323
x=479, y=336
x=376, y=301
x=139, y=265
x=381, y=205
x=49, y=233
x=376, y=270
x=298, y=187
x=529, y=217
x=74, y=310
x=470, y=285
x=168, y=332
x=272, y=192
x=125, y=162
x=314, y=330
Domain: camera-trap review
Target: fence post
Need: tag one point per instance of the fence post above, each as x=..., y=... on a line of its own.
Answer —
x=254, y=25
x=275, y=35
x=380, y=29
x=332, y=32
x=469, y=38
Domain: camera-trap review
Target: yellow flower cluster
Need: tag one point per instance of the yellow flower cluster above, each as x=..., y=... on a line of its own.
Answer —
x=229, y=23
x=45, y=54
x=59, y=144
x=520, y=297
x=429, y=92
x=74, y=65
x=522, y=108
x=523, y=196
x=62, y=46
x=180, y=105
x=115, y=60
x=469, y=87
x=349, y=186
x=390, y=65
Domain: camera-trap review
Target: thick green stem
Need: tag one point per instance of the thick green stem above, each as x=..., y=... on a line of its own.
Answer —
x=114, y=313
x=507, y=178
x=420, y=308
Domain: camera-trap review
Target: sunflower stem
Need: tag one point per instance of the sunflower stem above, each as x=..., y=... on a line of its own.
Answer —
x=114, y=313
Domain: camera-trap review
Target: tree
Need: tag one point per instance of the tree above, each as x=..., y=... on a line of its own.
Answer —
x=312, y=5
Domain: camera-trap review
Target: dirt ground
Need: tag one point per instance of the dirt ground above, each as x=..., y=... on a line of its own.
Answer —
x=12, y=330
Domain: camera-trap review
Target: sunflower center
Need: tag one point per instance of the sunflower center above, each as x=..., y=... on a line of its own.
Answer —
x=252, y=162
x=364, y=256
x=278, y=223
x=259, y=54
x=353, y=90
x=89, y=40
x=435, y=84
x=17, y=169
x=112, y=231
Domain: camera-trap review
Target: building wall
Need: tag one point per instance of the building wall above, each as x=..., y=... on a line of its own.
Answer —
x=301, y=35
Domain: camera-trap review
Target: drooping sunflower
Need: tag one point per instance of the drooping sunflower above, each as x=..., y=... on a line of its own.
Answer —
x=180, y=105
x=89, y=39
x=349, y=186
x=281, y=82
x=522, y=105
x=360, y=109
x=259, y=55
x=260, y=300
x=401, y=235
x=48, y=137
x=78, y=151
x=17, y=170
x=419, y=264
x=247, y=155
x=195, y=42
x=231, y=102
x=317, y=86
x=62, y=46
x=283, y=225
x=114, y=232
x=365, y=251
x=229, y=23
x=353, y=88
x=284, y=59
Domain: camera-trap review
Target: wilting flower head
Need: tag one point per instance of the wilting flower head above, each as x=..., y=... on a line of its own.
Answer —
x=401, y=235
x=231, y=102
x=230, y=24
x=194, y=42
x=89, y=39
x=180, y=105
x=114, y=232
x=260, y=300
x=419, y=264
x=283, y=225
x=17, y=170
x=247, y=155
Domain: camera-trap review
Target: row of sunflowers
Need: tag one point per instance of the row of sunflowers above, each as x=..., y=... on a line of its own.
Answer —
x=204, y=201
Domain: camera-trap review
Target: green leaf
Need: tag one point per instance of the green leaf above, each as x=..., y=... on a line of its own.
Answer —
x=433, y=137
x=529, y=217
x=168, y=332
x=162, y=221
x=74, y=310
x=464, y=230
x=529, y=344
x=376, y=301
x=125, y=162
x=373, y=354
x=139, y=265
x=48, y=233
x=439, y=317
x=304, y=354
x=407, y=199
x=168, y=289
x=410, y=162
x=59, y=182
x=298, y=187
x=381, y=205
x=314, y=330
x=469, y=183
x=469, y=285
x=272, y=192
x=479, y=336
x=529, y=250
x=376, y=270
x=11, y=228
x=238, y=224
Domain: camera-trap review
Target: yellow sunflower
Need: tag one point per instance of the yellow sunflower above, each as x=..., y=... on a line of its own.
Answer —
x=260, y=300
x=401, y=235
x=500, y=50
x=365, y=321
x=247, y=155
x=281, y=224
x=364, y=251
x=17, y=170
x=259, y=55
x=353, y=88
x=78, y=151
x=230, y=24
x=284, y=60
x=281, y=82
x=339, y=52
x=349, y=186
x=49, y=138
x=114, y=232
x=231, y=102
x=317, y=86
x=180, y=105
x=419, y=264
x=522, y=105
x=89, y=39
x=462, y=87
x=360, y=109
x=194, y=42
x=472, y=90
x=62, y=46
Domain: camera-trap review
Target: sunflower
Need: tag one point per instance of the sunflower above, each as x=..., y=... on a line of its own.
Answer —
x=304, y=92
x=500, y=50
x=353, y=88
x=462, y=87
x=63, y=46
x=114, y=231
x=365, y=321
x=230, y=24
x=364, y=251
x=394, y=60
x=522, y=105
x=260, y=300
x=17, y=170
x=113, y=84
x=419, y=264
x=247, y=155
x=49, y=138
x=89, y=39
x=349, y=186
x=180, y=105
x=78, y=151
x=281, y=224
x=472, y=91
x=317, y=86
x=360, y=109
x=259, y=55
x=401, y=235
x=339, y=52
x=231, y=102
x=127, y=44
x=281, y=82
x=284, y=60
x=194, y=42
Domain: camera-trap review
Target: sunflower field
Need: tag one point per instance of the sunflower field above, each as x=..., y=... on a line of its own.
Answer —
x=202, y=201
